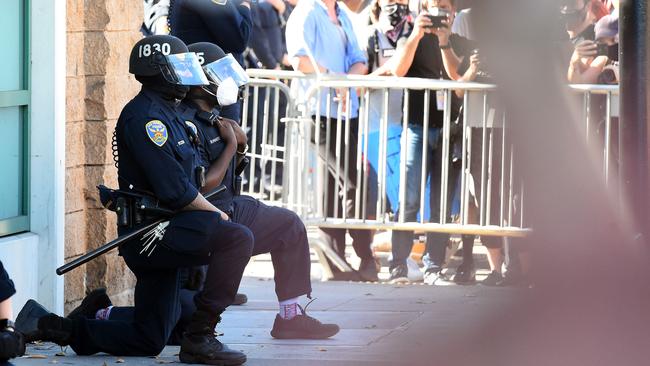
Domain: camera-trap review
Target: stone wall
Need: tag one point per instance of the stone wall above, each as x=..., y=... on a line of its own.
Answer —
x=100, y=36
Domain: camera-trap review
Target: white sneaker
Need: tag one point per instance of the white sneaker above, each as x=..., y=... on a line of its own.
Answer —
x=414, y=272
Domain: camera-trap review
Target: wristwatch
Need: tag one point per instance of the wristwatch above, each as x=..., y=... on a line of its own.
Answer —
x=242, y=152
x=445, y=47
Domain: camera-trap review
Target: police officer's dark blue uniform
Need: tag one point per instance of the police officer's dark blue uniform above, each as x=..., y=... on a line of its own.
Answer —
x=226, y=23
x=275, y=230
x=157, y=155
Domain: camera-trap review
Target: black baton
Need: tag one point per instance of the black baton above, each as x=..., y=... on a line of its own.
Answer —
x=118, y=241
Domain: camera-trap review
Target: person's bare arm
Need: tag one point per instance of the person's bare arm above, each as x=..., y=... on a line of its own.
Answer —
x=401, y=62
x=201, y=204
x=216, y=172
x=450, y=60
x=470, y=74
x=585, y=65
x=359, y=68
x=240, y=136
x=304, y=65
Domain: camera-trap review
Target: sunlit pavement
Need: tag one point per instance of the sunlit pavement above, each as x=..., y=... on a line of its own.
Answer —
x=382, y=324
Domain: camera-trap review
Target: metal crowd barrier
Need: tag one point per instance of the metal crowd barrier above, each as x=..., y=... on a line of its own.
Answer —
x=328, y=179
x=492, y=214
x=600, y=116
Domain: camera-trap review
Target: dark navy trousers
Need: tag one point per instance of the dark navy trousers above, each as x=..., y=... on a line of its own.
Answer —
x=275, y=230
x=193, y=238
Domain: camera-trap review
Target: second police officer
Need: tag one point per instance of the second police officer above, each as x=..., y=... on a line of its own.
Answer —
x=158, y=155
x=275, y=230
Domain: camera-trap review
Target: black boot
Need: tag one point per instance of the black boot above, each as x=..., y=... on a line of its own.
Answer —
x=94, y=301
x=12, y=343
x=37, y=324
x=56, y=329
x=199, y=344
x=27, y=320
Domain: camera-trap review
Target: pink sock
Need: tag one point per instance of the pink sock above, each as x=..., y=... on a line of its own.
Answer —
x=289, y=308
x=103, y=314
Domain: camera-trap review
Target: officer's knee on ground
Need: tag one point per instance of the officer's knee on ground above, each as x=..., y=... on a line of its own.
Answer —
x=152, y=345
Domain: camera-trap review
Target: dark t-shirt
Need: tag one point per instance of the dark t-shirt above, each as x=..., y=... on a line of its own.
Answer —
x=427, y=63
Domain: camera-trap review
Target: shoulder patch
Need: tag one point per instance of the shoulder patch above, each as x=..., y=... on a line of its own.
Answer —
x=157, y=132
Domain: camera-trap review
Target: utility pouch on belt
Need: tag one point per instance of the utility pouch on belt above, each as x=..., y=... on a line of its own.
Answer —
x=132, y=208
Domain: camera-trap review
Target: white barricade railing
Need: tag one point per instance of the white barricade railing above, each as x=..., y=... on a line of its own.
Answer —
x=484, y=216
x=600, y=112
x=305, y=188
x=357, y=164
x=476, y=176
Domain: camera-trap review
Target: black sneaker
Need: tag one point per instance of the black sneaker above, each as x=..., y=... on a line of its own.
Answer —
x=94, y=301
x=302, y=326
x=515, y=280
x=12, y=343
x=493, y=279
x=240, y=299
x=465, y=274
x=399, y=274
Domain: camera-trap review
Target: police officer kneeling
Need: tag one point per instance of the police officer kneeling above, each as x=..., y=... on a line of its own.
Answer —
x=275, y=230
x=158, y=156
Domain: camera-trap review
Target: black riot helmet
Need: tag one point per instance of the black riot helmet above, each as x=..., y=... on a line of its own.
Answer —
x=225, y=75
x=166, y=56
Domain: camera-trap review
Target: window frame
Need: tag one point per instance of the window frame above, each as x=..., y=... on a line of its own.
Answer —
x=21, y=98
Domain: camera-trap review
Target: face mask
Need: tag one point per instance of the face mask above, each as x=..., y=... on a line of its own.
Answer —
x=393, y=14
x=227, y=92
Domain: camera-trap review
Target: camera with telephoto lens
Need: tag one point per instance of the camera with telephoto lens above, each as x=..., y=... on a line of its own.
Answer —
x=437, y=15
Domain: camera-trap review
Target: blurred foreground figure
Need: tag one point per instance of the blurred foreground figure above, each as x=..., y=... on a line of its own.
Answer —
x=589, y=306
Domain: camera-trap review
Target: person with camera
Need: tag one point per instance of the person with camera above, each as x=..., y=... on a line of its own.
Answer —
x=423, y=54
x=321, y=40
x=579, y=17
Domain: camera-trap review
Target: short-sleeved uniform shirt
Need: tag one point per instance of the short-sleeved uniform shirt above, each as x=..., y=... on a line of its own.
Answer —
x=155, y=152
x=210, y=148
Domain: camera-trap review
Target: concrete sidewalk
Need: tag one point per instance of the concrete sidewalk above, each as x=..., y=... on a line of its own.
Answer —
x=381, y=324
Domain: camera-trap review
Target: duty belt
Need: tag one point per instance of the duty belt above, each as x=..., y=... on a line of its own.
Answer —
x=132, y=208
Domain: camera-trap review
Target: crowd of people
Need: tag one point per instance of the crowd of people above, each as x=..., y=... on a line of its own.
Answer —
x=180, y=140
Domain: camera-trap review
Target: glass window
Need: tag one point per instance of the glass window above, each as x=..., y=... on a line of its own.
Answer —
x=14, y=117
x=12, y=45
x=12, y=157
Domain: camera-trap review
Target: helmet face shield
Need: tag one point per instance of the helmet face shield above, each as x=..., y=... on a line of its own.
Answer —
x=226, y=68
x=184, y=69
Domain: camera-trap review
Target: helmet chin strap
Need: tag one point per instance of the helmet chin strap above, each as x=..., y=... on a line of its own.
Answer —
x=208, y=95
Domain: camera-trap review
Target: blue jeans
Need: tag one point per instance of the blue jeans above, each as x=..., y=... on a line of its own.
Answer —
x=402, y=241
